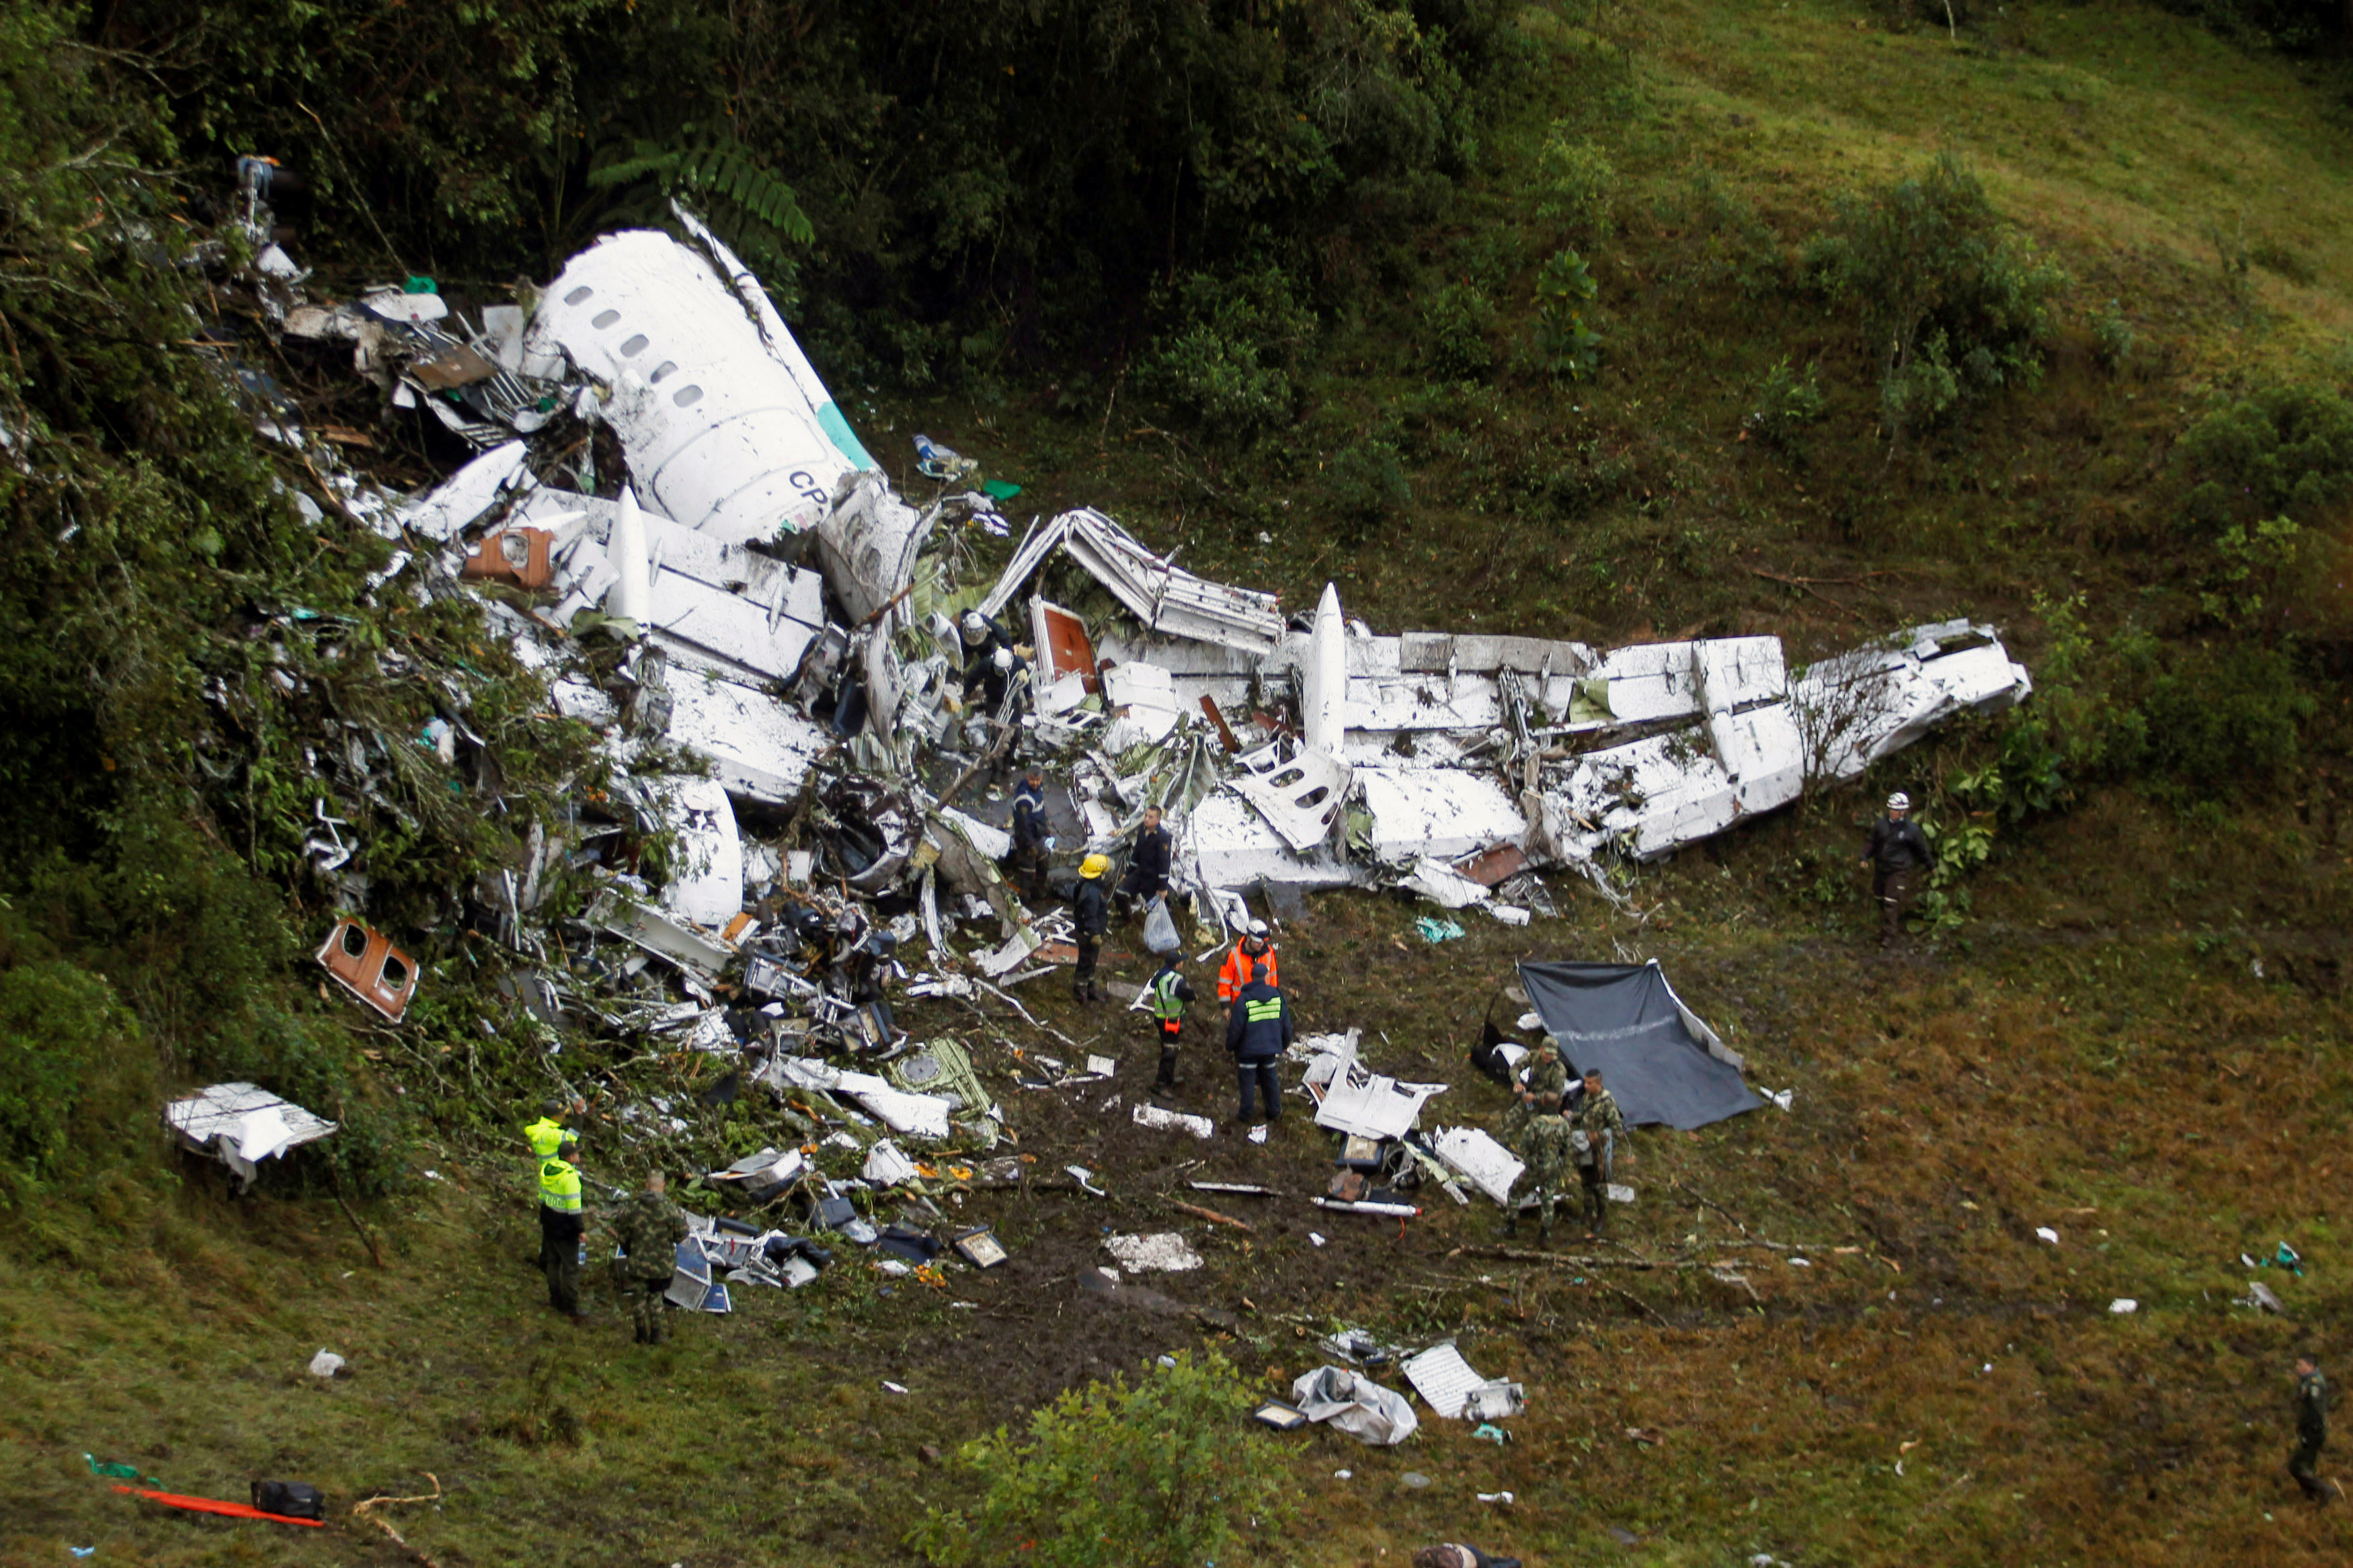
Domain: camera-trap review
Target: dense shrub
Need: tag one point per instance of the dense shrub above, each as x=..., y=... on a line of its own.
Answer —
x=1229, y=359
x=1786, y=404
x=2283, y=451
x=1161, y=1474
x=1455, y=320
x=1566, y=342
x=1954, y=306
x=1577, y=184
x=67, y=1051
x=1040, y=161
x=2224, y=717
x=1367, y=483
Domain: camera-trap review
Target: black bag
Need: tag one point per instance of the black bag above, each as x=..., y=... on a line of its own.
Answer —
x=290, y=1500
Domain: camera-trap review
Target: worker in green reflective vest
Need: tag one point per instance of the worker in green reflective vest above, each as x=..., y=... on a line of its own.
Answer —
x=562, y=1226
x=546, y=1138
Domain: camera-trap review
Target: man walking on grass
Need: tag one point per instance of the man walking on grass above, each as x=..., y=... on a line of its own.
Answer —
x=1895, y=853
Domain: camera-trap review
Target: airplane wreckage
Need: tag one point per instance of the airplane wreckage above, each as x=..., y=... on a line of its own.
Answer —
x=790, y=627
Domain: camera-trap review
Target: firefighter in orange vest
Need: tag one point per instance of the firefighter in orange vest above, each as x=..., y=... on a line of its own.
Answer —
x=1252, y=958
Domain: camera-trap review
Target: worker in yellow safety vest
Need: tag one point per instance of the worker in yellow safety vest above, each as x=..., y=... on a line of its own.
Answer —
x=562, y=1226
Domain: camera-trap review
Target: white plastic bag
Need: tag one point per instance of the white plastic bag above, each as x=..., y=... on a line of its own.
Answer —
x=1160, y=928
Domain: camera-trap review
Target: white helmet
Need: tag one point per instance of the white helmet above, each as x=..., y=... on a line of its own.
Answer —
x=1002, y=659
x=1899, y=801
x=1257, y=928
x=975, y=628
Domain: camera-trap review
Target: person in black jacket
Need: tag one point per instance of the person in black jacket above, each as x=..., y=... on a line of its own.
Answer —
x=1147, y=863
x=1259, y=1030
x=1031, y=844
x=1895, y=853
x=1090, y=917
x=984, y=636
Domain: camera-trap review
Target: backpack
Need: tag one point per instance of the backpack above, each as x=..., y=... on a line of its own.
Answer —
x=290, y=1500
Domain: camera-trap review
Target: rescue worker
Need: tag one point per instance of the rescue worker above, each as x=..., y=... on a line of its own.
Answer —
x=1006, y=671
x=1895, y=852
x=1090, y=918
x=1257, y=1031
x=984, y=636
x=562, y=1226
x=1169, y=992
x=1543, y=1148
x=1598, y=1128
x=648, y=1226
x=1542, y=1088
x=2311, y=1430
x=1147, y=864
x=1030, y=841
x=545, y=1137
x=1253, y=959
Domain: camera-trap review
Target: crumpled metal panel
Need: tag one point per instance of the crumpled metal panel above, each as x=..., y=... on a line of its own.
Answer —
x=722, y=432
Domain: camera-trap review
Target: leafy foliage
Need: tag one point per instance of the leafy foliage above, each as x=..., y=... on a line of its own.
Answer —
x=1579, y=183
x=1160, y=1474
x=1955, y=307
x=1456, y=321
x=1788, y=402
x=1228, y=361
x=68, y=1050
x=1566, y=343
x=723, y=182
x=2283, y=450
x=1368, y=483
x=2225, y=716
x=938, y=154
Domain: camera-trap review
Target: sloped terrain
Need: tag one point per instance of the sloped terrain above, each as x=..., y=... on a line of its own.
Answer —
x=1830, y=1335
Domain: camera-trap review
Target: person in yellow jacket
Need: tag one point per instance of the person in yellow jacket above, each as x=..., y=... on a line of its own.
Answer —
x=546, y=1138
x=562, y=1224
x=546, y=1135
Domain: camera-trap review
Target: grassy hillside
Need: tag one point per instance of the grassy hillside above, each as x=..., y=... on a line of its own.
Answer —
x=2131, y=1027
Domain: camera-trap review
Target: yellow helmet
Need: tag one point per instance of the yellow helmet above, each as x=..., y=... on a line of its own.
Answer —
x=1095, y=866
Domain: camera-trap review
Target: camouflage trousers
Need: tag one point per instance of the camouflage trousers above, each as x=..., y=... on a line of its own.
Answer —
x=648, y=1311
x=1545, y=1183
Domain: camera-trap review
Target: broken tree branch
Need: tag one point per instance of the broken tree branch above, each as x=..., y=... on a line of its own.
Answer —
x=1198, y=1212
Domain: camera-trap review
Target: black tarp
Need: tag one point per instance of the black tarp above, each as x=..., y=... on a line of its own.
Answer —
x=1653, y=1053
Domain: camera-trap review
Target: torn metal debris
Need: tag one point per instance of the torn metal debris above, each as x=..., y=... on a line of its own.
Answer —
x=241, y=1125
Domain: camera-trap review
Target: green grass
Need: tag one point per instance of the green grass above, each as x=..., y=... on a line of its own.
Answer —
x=2090, y=1050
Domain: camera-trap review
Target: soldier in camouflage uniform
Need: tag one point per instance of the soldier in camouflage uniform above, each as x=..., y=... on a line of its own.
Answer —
x=1600, y=1128
x=649, y=1227
x=1544, y=1149
x=1542, y=1083
x=2311, y=1429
